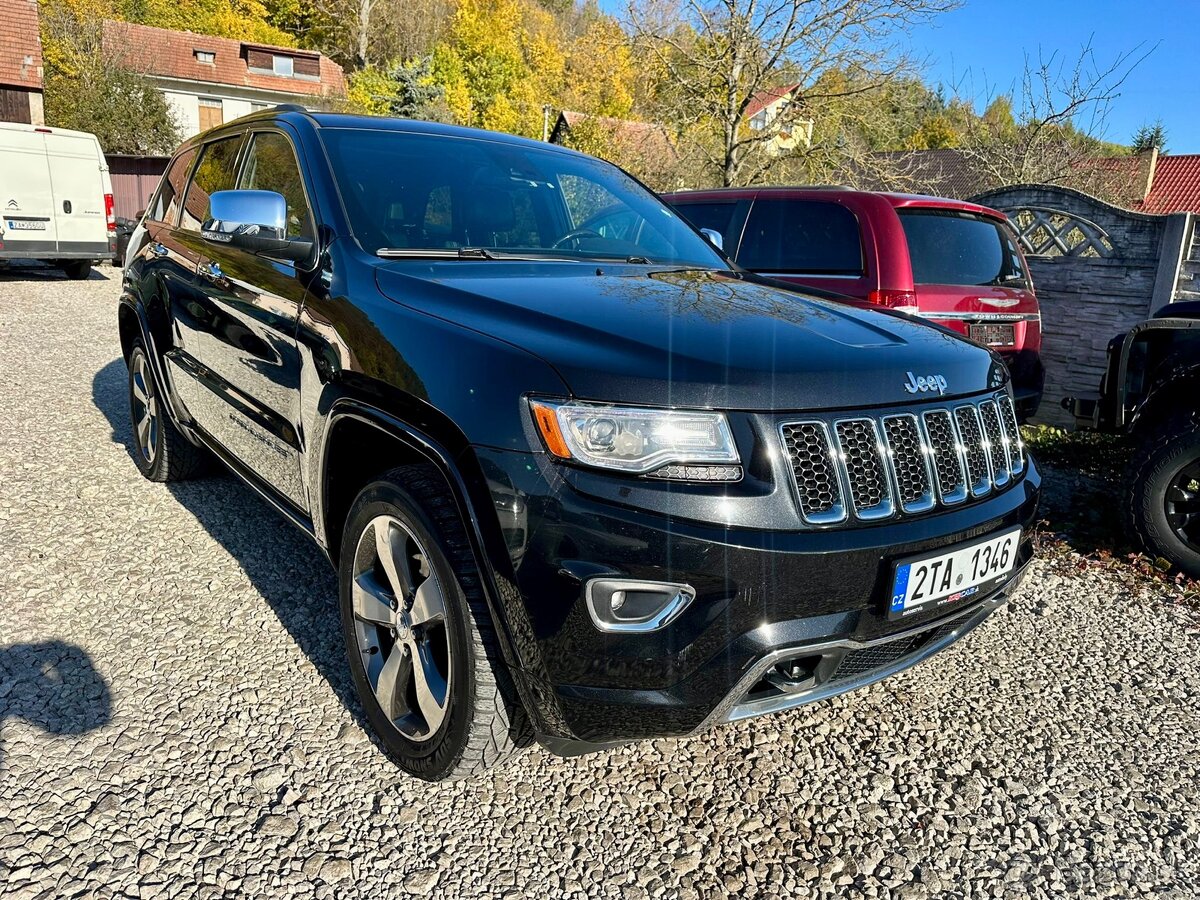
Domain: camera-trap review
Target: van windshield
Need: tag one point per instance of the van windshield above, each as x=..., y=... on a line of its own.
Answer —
x=948, y=247
x=414, y=194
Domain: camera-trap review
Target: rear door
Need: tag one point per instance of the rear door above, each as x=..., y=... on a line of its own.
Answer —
x=969, y=275
x=27, y=229
x=77, y=180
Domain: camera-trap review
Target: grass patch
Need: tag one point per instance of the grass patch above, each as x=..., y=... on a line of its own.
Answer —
x=1090, y=452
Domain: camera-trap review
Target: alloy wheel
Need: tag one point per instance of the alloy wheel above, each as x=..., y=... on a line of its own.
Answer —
x=399, y=609
x=1183, y=504
x=145, y=408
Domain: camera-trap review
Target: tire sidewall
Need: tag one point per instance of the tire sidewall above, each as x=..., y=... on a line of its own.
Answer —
x=1149, y=500
x=433, y=758
x=149, y=468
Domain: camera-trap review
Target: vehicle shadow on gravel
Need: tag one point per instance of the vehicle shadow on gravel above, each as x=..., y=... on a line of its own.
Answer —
x=284, y=566
x=35, y=272
x=54, y=686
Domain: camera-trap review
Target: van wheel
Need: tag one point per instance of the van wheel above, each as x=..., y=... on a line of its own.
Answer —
x=77, y=270
x=160, y=451
x=423, y=651
x=1163, y=491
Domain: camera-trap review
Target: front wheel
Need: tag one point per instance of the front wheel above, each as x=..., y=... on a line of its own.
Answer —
x=1163, y=491
x=160, y=451
x=423, y=651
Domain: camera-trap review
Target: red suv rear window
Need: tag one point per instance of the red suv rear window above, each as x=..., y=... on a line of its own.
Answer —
x=949, y=247
x=801, y=236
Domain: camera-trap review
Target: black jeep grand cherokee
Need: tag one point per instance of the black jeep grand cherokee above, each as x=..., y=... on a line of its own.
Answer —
x=582, y=482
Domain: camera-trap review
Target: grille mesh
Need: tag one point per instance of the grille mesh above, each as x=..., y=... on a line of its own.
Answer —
x=908, y=460
x=860, y=451
x=946, y=462
x=997, y=451
x=860, y=662
x=808, y=447
x=866, y=467
x=967, y=420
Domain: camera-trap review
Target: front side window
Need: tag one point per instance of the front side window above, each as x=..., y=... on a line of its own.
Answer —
x=271, y=166
x=811, y=237
x=949, y=247
x=413, y=192
x=166, y=205
x=716, y=216
x=215, y=172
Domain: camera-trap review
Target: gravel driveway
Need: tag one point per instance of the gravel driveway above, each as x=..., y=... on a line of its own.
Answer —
x=176, y=717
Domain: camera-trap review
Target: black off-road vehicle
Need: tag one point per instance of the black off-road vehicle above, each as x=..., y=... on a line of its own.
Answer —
x=1150, y=392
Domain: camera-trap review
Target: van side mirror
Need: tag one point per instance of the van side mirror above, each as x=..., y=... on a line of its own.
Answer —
x=254, y=221
x=714, y=238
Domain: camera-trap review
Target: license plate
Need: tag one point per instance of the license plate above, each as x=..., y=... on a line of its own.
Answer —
x=931, y=581
x=25, y=225
x=991, y=334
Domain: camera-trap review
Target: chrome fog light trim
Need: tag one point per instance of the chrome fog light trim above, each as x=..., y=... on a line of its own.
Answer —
x=628, y=605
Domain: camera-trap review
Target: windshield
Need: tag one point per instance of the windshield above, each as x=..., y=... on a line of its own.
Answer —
x=959, y=248
x=408, y=193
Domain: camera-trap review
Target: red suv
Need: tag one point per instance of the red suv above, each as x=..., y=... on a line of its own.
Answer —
x=955, y=263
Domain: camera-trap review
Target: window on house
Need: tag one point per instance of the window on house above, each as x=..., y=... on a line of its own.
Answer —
x=206, y=56
x=283, y=65
x=759, y=121
x=212, y=112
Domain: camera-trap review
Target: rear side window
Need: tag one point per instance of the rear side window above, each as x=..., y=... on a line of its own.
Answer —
x=271, y=166
x=959, y=248
x=166, y=204
x=216, y=172
x=801, y=236
x=716, y=216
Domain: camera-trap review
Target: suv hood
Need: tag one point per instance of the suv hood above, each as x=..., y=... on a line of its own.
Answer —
x=697, y=338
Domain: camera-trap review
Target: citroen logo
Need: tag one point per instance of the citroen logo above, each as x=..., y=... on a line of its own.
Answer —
x=12, y=204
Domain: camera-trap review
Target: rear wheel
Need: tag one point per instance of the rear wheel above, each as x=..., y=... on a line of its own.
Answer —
x=77, y=269
x=160, y=451
x=1163, y=491
x=423, y=653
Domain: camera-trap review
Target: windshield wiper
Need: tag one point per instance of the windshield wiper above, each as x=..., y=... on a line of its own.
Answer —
x=437, y=253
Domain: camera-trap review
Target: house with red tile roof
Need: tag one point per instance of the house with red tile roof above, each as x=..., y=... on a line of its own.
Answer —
x=20, y=63
x=1175, y=186
x=773, y=110
x=209, y=80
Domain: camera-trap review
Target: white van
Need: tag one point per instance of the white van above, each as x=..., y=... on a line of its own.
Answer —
x=56, y=200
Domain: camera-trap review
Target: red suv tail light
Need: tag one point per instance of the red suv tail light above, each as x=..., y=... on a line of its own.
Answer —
x=903, y=301
x=109, y=216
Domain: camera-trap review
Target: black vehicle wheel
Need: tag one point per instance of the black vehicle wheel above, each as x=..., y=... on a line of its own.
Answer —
x=160, y=451
x=423, y=651
x=1163, y=491
x=78, y=269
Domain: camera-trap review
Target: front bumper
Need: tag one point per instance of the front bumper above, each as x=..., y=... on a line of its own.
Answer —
x=761, y=596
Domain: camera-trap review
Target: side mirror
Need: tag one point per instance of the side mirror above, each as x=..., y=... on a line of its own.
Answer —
x=254, y=221
x=714, y=238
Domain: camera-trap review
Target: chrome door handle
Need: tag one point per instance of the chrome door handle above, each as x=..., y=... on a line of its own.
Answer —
x=158, y=250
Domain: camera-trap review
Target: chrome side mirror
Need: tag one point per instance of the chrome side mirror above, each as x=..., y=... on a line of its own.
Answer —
x=255, y=221
x=714, y=238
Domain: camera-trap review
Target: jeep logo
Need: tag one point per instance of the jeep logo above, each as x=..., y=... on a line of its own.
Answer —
x=923, y=384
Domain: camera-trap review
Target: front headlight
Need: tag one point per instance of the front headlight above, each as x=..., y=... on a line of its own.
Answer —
x=631, y=439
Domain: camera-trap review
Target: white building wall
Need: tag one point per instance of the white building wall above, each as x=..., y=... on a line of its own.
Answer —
x=183, y=99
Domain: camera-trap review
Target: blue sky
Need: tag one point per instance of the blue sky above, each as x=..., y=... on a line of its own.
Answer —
x=981, y=48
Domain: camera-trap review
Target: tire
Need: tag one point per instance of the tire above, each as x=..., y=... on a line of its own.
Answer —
x=478, y=723
x=160, y=451
x=1159, y=500
x=77, y=270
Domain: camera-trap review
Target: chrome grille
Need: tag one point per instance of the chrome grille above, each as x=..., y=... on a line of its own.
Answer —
x=811, y=454
x=862, y=457
x=995, y=444
x=971, y=438
x=909, y=461
x=871, y=467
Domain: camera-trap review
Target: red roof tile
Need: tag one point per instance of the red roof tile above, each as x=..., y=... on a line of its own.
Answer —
x=1176, y=186
x=20, y=49
x=764, y=98
x=172, y=54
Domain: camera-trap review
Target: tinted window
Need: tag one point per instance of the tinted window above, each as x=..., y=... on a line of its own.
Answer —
x=406, y=191
x=166, y=204
x=801, y=236
x=716, y=216
x=951, y=248
x=216, y=172
x=271, y=166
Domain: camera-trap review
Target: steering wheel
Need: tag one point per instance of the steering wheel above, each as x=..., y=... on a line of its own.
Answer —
x=575, y=236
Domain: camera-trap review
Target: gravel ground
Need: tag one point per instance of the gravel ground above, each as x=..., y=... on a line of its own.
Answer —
x=176, y=717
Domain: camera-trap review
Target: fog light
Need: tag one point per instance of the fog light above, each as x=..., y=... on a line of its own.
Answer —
x=639, y=606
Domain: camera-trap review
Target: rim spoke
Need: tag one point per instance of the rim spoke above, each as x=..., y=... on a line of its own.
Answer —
x=431, y=687
x=390, y=545
x=139, y=388
x=389, y=681
x=143, y=432
x=427, y=602
x=368, y=604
